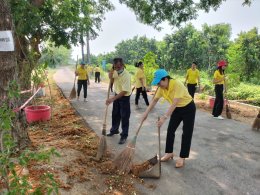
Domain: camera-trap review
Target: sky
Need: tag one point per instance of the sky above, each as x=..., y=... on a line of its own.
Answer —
x=121, y=24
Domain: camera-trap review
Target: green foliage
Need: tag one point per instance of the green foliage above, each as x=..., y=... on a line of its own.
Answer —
x=244, y=56
x=202, y=96
x=54, y=56
x=173, y=12
x=244, y=92
x=150, y=67
x=39, y=74
x=131, y=69
x=61, y=22
x=15, y=182
x=132, y=50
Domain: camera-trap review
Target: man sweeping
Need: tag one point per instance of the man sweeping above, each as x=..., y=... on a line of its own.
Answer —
x=121, y=101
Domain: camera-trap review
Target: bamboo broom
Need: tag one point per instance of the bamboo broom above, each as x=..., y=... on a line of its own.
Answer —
x=124, y=161
x=228, y=113
x=256, y=124
x=102, y=142
x=73, y=91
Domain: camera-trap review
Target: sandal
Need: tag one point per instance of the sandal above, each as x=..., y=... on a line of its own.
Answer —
x=166, y=157
x=180, y=162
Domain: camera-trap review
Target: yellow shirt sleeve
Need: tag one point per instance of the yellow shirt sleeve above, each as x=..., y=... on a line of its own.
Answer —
x=158, y=94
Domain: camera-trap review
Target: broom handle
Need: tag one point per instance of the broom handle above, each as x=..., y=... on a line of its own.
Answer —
x=159, y=152
x=76, y=69
x=108, y=93
x=143, y=120
x=226, y=90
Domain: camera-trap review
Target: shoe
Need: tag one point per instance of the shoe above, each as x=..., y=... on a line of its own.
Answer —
x=85, y=100
x=122, y=140
x=111, y=134
x=180, y=162
x=218, y=117
x=166, y=157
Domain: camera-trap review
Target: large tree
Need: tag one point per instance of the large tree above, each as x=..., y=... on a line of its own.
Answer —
x=61, y=22
x=175, y=12
x=8, y=71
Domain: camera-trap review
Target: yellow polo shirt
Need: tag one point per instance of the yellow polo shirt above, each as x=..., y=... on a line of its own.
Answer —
x=175, y=90
x=193, y=76
x=139, y=75
x=96, y=69
x=122, y=82
x=82, y=73
x=218, y=76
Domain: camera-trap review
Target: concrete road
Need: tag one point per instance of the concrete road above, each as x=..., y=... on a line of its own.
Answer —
x=224, y=159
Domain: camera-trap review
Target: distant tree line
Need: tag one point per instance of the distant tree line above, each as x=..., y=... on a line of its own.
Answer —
x=187, y=44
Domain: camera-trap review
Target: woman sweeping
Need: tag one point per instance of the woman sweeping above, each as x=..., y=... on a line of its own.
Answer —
x=219, y=80
x=182, y=108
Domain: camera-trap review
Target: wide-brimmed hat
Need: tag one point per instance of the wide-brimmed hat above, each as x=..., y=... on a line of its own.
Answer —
x=158, y=75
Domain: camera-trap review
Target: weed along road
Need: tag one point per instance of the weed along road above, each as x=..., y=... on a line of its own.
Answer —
x=225, y=155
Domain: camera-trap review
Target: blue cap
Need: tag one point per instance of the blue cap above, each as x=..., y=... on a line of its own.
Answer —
x=82, y=62
x=158, y=75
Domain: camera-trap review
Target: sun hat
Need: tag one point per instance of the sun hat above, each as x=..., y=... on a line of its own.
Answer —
x=158, y=75
x=222, y=63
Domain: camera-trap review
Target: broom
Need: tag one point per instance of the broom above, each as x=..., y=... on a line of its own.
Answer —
x=228, y=113
x=124, y=161
x=103, y=142
x=256, y=124
x=73, y=91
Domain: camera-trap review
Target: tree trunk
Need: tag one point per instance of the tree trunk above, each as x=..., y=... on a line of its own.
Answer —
x=88, y=49
x=8, y=71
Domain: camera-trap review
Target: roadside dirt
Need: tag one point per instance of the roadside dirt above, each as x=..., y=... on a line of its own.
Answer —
x=240, y=112
x=74, y=170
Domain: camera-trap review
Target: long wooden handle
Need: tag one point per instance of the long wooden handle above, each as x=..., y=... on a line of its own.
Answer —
x=141, y=124
x=76, y=69
x=159, y=152
x=108, y=93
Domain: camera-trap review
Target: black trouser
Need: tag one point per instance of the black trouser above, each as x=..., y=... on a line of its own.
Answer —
x=144, y=94
x=192, y=89
x=187, y=115
x=219, y=101
x=97, y=77
x=85, y=87
x=121, y=113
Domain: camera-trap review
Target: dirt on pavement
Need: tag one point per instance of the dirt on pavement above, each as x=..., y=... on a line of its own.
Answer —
x=75, y=170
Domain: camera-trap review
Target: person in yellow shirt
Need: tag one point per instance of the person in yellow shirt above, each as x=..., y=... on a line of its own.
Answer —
x=97, y=74
x=121, y=101
x=83, y=80
x=181, y=109
x=219, y=81
x=140, y=84
x=192, y=79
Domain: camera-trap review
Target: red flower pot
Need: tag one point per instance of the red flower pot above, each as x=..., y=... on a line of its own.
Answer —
x=212, y=101
x=37, y=113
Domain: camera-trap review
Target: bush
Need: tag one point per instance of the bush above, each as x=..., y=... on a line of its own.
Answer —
x=245, y=92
